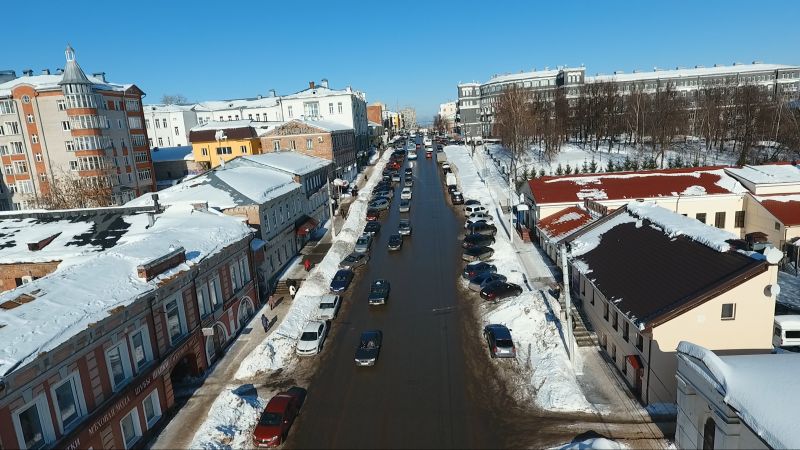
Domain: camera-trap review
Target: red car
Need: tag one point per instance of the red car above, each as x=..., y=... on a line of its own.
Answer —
x=428, y=154
x=275, y=421
x=394, y=165
x=373, y=215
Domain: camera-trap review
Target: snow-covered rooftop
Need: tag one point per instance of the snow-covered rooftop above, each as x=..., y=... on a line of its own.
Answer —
x=759, y=388
x=690, y=72
x=321, y=91
x=286, y=161
x=168, y=108
x=767, y=173
x=182, y=153
x=528, y=75
x=223, y=125
x=48, y=82
x=221, y=105
x=327, y=125
x=785, y=207
x=95, y=280
x=564, y=222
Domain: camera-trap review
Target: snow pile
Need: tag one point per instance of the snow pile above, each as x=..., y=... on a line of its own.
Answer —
x=277, y=349
x=678, y=225
x=568, y=217
x=596, y=194
x=231, y=420
x=592, y=444
x=694, y=190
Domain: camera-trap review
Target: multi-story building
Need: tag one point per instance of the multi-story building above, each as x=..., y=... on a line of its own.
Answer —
x=318, y=138
x=409, y=118
x=171, y=164
x=143, y=299
x=214, y=142
x=375, y=113
x=69, y=125
x=169, y=125
x=393, y=121
x=448, y=112
x=476, y=100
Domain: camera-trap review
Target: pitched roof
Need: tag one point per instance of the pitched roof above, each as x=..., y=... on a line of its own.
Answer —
x=286, y=161
x=634, y=185
x=564, y=222
x=655, y=264
x=785, y=207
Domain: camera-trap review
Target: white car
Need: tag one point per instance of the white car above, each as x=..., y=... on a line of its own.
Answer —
x=428, y=142
x=405, y=194
x=310, y=342
x=471, y=220
x=329, y=307
x=412, y=155
x=479, y=215
x=471, y=209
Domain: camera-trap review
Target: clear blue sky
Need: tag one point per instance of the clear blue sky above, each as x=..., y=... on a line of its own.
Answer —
x=399, y=52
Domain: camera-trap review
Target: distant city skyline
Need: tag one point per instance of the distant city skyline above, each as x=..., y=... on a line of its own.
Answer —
x=349, y=45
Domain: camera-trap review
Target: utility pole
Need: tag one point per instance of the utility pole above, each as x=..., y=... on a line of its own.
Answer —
x=568, y=304
x=330, y=208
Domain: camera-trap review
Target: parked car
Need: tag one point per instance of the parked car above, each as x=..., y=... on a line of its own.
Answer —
x=481, y=280
x=404, y=227
x=409, y=171
x=373, y=214
x=396, y=176
x=456, y=198
x=471, y=202
x=381, y=203
x=477, y=254
x=413, y=155
x=363, y=244
x=395, y=242
x=369, y=348
x=405, y=194
x=329, y=306
x=405, y=206
x=500, y=290
x=276, y=419
x=498, y=337
x=383, y=192
x=354, y=260
x=474, y=268
x=480, y=215
x=372, y=228
x=481, y=228
x=477, y=240
x=379, y=292
x=469, y=209
x=471, y=221
x=341, y=280
x=408, y=182
x=428, y=154
x=312, y=338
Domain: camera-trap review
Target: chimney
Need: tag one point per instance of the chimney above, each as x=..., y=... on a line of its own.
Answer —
x=59, y=71
x=324, y=83
x=272, y=92
x=151, y=219
x=716, y=65
x=100, y=75
x=156, y=267
x=28, y=72
x=311, y=85
x=156, y=205
x=42, y=243
x=202, y=206
x=45, y=71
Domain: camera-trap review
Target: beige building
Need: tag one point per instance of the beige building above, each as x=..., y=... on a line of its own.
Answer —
x=68, y=125
x=648, y=278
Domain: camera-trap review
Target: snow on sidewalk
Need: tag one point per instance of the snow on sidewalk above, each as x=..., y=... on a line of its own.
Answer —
x=231, y=419
x=550, y=379
x=592, y=444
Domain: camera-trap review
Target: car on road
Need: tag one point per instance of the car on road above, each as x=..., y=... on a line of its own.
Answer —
x=428, y=154
x=395, y=242
x=474, y=268
x=312, y=338
x=477, y=240
x=456, y=198
x=413, y=155
x=439, y=147
x=383, y=192
x=380, y=203
x=409, y=171
x=329, y=305
x=405, y=194
x=480, y=280
x=363, y=244
x=498, y=337
x=409, y=181
x=480, y=215
x=276, y=419
x=404, y=227
x=427, y=142
x=471, y=202
x=499, y=290
x=396, y=176
x=477, y=253
x=446, y=167
x=470, y=209
x=372, y=228
x=354, y=260
x=379, y=292
x=481, y=228
x=477, y=220
x=405, y=206
x=341, y=280
x=373, y=215
x=369, y=348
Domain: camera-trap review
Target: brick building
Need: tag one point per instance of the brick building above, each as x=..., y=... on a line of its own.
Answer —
x=92, y=361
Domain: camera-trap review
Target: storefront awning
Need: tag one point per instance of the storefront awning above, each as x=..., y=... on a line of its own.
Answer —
x=305, y=225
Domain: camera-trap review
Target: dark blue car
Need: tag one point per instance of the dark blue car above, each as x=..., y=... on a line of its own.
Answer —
x=341, y=281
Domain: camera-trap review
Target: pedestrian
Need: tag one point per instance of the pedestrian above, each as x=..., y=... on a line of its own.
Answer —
x=271, y=302
x=307, y=264
x=292, y=291
x=265, y=322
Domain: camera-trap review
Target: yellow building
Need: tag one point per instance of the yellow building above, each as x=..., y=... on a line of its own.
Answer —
x=213, y=142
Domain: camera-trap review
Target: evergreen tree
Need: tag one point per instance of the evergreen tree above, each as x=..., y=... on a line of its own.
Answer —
x=593, y=166
x=627, y=164
x=696, y=163
x=541, y=172
x=670, y=163
x=678, y=161
x=585, y=167
x=525, y=174
x=568, y=170
x=560, y=170
x=635, y=165
x=610, y=167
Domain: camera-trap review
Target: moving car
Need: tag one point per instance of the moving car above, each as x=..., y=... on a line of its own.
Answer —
x=456, y=198
x=477, y=253
x=363, y=244
x=405, y=206
x=369, y=348
x=499, y=290
x=427, y=141
x=481, y=228
x=413, y=155
x=477, y=240
x=409, y=171
x=341, y=280
x=378, y=292
x=474, y=268
x=480, y=280
x=396, y=176
x=354, y=260
x=409, y=181
x=498, y=337
x=405, y=194
x=404, y=227
x=277, y=418
x=395, y=242
x=373, y=215
x=310, y=342
x=372, y=228
x=329, y=306
x=428, y=154
x=380, y=203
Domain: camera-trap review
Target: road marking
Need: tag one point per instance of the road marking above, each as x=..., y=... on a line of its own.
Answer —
x=443, y=309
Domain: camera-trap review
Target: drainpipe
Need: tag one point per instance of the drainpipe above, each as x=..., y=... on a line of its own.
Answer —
x=649, y=360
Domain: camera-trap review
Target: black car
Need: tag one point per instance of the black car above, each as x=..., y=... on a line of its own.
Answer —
x=500, y=290
x=372, y=228
x=471, y=202
x=409, y=171
x=395, y=242
x=341, y=281
x=477, y=253
x=475, y=268
x=477, y=240
x=481, y=228
x=379, y=292
x=456, y=198
x=369, y=348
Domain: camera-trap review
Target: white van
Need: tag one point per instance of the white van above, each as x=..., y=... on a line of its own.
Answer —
x=470, y=209
x=787, y=331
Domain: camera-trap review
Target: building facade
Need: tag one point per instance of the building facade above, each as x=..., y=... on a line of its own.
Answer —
x=171, y=164
x=375, y=113
x=409, y=118
x=216, y=142
x=67, y=126
x=169, y=125
x=448, y=112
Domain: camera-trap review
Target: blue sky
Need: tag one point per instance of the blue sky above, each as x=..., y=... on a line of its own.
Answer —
x=398, y=52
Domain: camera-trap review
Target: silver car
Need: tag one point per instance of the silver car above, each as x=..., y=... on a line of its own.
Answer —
x=479, y=281
x=354, y=260
x=363, y=244
x=329, y=306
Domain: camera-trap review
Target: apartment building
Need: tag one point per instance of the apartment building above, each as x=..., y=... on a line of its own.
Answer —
x=409, y=118
x=67, y=125
x=94, y=361
x=169, y=125
x=448, y=112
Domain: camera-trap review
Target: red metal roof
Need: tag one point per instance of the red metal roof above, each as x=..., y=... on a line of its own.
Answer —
x=624, y=185
x=788, y=212
x=563, y=222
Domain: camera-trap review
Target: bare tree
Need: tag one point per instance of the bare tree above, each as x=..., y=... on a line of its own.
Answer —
x=513, y=122
x=174, y=99
x=68, y=191
x=440, y=124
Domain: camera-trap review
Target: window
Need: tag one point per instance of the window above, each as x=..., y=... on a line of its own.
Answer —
x=224, y=151
x=20, y=167
x=243, y=148
x=143, y=175
x=8, y=169
x=25, y=187
x=330, y=108
x=164, y=122
x=176, y=322
x=625, y=330
x=147, y=123
x=140, y=346
x=119, y=366
x=289, y=110
x=605, y=311
x=777, y=226
x=215, y=291
x=615, y=323
x=68, y=402
x=728, y=311
x=203, y=300
x=701, y=217
x=204, y=151
x=32, y=424
x=37, y=157
x=244, y=269
x=719, y=219
x=7, y=106
x=69, y=145
x=640, y=342
x=276, y=145
x=236, y=280
x=35, y=138
x=293, y=144
x=709, y=431
x=177, y=132
x=739, y=219
x=131, y=430
x=160, y=142
x=309, y=144
x=65, y=125
x=29, y=118
x=157, y=123
x=311, y=109
x=152, y=409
